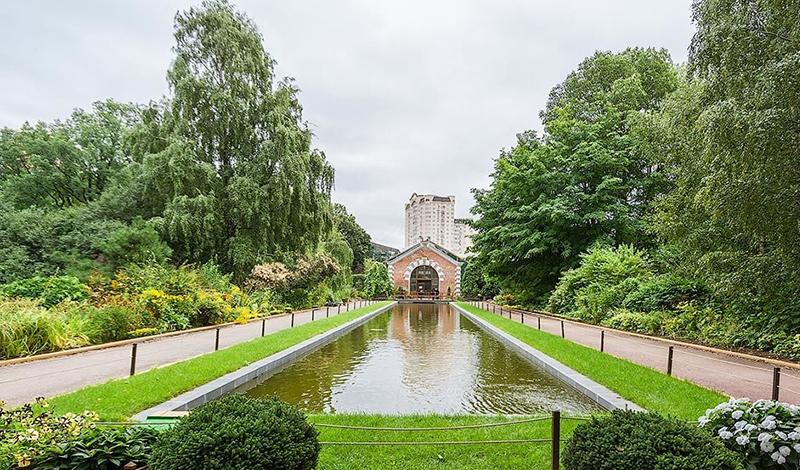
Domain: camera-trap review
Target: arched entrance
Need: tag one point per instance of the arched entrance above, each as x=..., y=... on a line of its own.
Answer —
x=424, y=280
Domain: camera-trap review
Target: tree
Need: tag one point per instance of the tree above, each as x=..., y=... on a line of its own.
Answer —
x=474, y=282
x=236, y=181
x=731, y=138
x=358, y=238
x=586, y=181
x=376, y=279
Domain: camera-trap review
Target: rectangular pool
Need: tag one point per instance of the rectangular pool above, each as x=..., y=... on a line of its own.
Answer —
x=419, y=358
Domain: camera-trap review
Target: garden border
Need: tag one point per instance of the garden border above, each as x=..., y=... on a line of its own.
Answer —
x=601, y=394
x=662, y=339
x=229, y=382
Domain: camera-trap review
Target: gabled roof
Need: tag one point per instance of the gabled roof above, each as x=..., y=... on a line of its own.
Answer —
x=427, y=243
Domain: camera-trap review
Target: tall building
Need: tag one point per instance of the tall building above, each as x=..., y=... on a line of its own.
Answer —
x=431, y=217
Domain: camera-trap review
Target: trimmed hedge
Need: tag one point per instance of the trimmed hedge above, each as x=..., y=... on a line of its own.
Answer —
x=238, y=432
x=627, y=440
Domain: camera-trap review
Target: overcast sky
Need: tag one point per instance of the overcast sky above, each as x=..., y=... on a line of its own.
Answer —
x=403, y=96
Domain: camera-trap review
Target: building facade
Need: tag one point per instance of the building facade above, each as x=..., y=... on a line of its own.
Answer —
x=432, y=217
x=426, y=269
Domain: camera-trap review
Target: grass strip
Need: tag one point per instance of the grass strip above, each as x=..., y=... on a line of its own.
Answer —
x=495, y=456
x=647, y=387
x=119, y=399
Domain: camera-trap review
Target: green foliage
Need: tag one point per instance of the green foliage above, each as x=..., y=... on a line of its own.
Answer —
x=101, y=449
x=638, y=322
x=376, y=280
x=475, y=283
x=138, y=242
x=605, y=277
x=359, y=240
x=667, y=292
x=627, y=440
x=50, y=290
x=28, y=328
x=238, y=432
x=30, y=431
x=585, y=181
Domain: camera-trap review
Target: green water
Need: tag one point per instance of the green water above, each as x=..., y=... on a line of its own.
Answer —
x=420, y=358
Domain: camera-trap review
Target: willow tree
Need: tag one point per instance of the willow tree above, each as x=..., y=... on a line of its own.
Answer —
x=236, y=180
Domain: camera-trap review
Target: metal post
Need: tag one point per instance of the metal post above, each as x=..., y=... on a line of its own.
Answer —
x=555, y=440
x=539, y=322
x=776, y=383
x=216, y=341
x=522, y=317
x=602, y=340
x=263, y=326
x=133, y=358
x=347, y=307
x=338, y=309
x=562, y=328
x=312, y=314
x=509, y=314
x=292, y=325
x=669, y=360
x=327, y=309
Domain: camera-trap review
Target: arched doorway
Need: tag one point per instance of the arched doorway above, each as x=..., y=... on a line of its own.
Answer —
x=424, y=280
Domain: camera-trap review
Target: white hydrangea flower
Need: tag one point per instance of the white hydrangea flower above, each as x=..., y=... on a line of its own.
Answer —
x=737, y=414
x=767, y=446
x=794, y=435
x=796, y=448
x=784, y=450
x=777, y=457
x=743, y=440
x=725, y=435
x=764, y=436
x=740, y=425
x=753, y=427
x=781, y=435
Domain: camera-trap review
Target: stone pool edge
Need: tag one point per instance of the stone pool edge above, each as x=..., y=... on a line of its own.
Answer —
x=602, y=395
x=233, y=380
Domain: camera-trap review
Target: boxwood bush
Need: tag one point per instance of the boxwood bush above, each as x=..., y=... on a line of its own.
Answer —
x=238, y=432
x=626, y=440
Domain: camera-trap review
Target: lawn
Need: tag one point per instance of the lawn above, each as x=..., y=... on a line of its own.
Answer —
x=647, y=387
x=121, y=398
x=494, y=456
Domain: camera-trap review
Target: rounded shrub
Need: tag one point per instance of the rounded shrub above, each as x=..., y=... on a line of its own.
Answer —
x=626, y=440
x=238, y=432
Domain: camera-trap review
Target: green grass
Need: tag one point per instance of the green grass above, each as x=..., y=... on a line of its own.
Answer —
x=121, y=398
x=647, y=387
x=489, y=456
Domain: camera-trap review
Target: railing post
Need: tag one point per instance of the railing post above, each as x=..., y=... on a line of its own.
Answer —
x=326, y=313
x=539, y=322
x=292, y=325
x=327, y=309
x=216, y=341
x=338, y=309
x=602, y=340
x=133, y=358
x=522, y=317
x=347, y=307
x=263, y=326
x=555, y=440
x=776, y=383
x=312, y=314
x=669, y=360
x=562, y=328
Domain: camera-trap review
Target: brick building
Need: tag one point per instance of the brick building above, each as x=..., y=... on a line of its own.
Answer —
x=426, y=268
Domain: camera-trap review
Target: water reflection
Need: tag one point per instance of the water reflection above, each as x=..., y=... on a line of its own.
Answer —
x=421, y=358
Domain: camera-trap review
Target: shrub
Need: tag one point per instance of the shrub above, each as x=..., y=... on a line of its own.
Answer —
x=626, y=440
x=644, y=323
x=376, y=279
x=113, y=322
x=666, y=292
x=26, y=328
x=765, y=433
x=29, y=431
x=138, y=242
x=50, y=290
x=101, y=449
x=238, y=432
x=605, y=277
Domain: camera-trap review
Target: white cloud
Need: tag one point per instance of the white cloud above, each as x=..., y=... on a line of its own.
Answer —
x=403, y=96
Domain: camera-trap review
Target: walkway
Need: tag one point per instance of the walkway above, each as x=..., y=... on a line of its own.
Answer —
x=21, y=383
x=731, y=374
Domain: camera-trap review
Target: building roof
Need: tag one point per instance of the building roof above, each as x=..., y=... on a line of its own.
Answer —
x=427, y=243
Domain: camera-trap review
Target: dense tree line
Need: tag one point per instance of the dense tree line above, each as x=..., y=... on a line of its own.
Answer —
x=222, y=170
x=658, y=181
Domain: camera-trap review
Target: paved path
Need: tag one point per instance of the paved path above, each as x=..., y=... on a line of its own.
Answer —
x=730, y=374
x=20, y=383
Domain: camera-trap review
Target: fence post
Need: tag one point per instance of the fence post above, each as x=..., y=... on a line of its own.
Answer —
x=522, y=317
x=602, y=340
x=327, y=309
x=669, y=360
x=347, y=307
x=216, y=341
x=263, y=326
x=292, y=325
x=338, y=309
x=326, y=313
x=312, y=314
x=555, y=440
x=776, y=383
x=509, y=314
x=562, y=328
x=539, y=322
x=133, y=358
